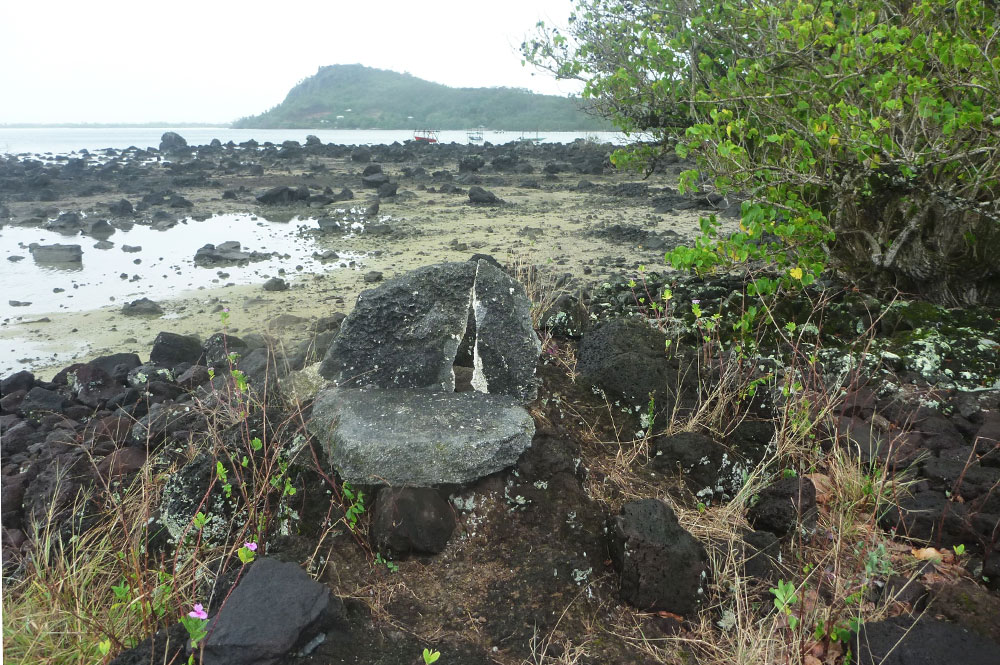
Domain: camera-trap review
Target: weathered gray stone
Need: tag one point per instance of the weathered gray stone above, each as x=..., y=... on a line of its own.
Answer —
x=506, y=348
x=408, y=437
x=56, y=254
x=406, y=333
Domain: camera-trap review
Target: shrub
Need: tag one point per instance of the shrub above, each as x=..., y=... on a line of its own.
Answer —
x=865, y=134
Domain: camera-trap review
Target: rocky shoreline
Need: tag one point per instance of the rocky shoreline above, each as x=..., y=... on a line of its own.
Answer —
x=614, y=448
x=558, y=206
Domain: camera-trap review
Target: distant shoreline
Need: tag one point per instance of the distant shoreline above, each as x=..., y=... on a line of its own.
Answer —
x=68, y=140
x=113, y=125
x=276, y=127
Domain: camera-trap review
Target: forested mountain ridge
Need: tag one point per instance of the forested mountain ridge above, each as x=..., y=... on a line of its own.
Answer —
x=359, y=97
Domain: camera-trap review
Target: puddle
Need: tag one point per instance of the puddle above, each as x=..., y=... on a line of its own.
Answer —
x=33, y=351
x=162, y=269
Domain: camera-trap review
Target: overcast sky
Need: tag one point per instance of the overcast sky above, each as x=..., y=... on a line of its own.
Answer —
x=218, y=60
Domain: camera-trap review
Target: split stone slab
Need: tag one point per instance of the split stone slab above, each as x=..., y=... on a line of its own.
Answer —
x=406, y=333
x=506, y=348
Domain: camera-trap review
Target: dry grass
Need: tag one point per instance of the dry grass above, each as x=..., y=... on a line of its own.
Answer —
x=555, y=648
x=563, y=355
x=65, y=604
x=542, y=286
x=832, y=569
x=84, y=596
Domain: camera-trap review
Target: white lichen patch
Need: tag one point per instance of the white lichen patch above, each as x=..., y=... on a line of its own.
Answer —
x=516, y=501
x=465, y=504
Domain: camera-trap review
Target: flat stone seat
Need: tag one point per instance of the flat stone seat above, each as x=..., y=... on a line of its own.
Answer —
x=410, y=437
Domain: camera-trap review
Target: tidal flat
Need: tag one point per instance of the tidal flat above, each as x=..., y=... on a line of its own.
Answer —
x=564, y=210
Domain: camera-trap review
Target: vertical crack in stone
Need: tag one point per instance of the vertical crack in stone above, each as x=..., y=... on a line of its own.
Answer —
x=453, y=354
x=478, y=376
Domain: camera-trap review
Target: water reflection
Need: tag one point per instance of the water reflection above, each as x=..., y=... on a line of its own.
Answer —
x=154, y=261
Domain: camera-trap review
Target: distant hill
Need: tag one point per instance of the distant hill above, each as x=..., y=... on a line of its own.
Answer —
x=358, y=97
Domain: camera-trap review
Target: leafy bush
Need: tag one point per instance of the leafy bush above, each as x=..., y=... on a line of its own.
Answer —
x=865, y=134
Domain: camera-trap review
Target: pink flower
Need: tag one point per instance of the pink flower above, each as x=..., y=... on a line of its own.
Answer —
x=250, y=546
x=199, y=612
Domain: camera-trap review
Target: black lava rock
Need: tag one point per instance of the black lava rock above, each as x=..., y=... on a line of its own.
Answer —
x=142, y=307
x=481, y=196
x=661, y=565
x=275, y=284
x=170, y=349
x=784, y=505
x=275, y=608
x=39, y=401
x=900, y=641
x=412, y=519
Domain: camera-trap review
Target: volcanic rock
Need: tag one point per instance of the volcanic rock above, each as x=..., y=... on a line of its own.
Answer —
x=415, y=438
x=406, y=332
x=172, y=141
x=275, y=608
x=56, y=254
x=411, y=519
x=142, y=307
x=480, y=196
x=661, y=566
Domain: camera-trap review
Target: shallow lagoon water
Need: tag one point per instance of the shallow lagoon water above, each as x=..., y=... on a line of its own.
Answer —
x=64, y=140
x=165, y=268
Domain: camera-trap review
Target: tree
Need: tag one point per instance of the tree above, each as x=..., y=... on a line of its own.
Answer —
x=865, y=134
